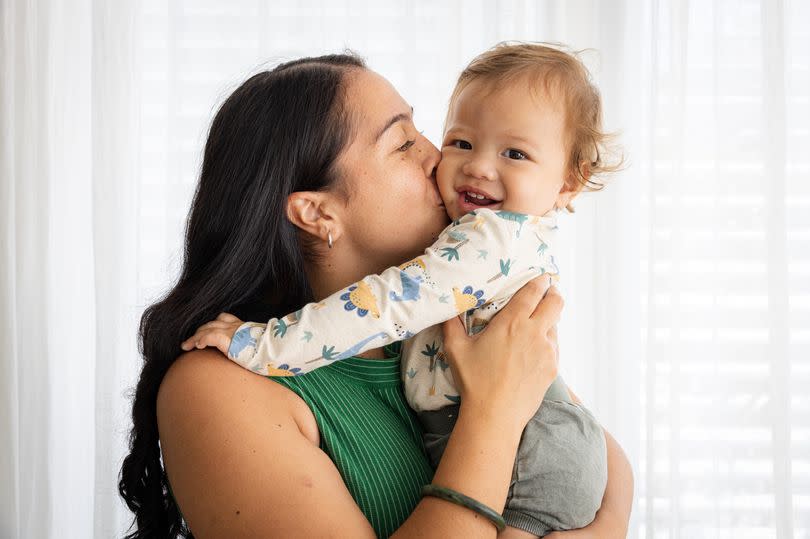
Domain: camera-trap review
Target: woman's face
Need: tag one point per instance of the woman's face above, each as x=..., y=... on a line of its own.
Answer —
x=394, y=209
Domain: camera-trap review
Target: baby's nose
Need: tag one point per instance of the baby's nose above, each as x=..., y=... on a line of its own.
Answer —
x=479, y=168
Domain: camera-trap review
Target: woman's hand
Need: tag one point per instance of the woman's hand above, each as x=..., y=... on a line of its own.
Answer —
x=505, y=370
x=217, y=334
x=502, y=374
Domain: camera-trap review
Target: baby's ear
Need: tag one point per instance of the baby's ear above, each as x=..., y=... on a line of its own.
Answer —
x=573, y=186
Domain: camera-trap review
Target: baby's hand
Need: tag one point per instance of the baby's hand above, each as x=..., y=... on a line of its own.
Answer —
x=217, y=333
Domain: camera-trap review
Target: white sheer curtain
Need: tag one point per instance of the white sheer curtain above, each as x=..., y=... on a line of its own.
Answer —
x=68, y=281
x=687, y=323
x=726, y=270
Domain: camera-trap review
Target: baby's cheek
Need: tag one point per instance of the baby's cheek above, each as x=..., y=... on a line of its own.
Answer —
x=444, y=179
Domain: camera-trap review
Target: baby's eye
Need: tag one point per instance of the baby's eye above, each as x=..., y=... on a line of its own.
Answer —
x=517, y=155
x=461, y=145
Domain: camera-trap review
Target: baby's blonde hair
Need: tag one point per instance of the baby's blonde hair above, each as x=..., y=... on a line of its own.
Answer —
x=562, y=76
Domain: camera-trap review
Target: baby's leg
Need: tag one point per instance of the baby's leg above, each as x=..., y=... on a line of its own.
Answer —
x=437, y=426
x=560, y=472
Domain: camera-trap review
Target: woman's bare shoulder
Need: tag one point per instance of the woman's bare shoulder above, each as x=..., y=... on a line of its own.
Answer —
x=199, y=379
x=203, y=373
x=240, y=455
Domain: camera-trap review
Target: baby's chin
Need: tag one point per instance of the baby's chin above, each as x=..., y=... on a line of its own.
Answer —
x=452, y=212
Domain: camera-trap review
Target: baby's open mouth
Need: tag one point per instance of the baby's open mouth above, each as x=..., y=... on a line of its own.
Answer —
x=478, y=199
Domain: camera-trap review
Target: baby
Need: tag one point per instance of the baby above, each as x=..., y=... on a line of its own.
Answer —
x=522, y=138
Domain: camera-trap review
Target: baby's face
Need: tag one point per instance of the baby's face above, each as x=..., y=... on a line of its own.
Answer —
x=507, y=146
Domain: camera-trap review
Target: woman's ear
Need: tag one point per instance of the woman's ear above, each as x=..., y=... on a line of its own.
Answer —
x=312, y=212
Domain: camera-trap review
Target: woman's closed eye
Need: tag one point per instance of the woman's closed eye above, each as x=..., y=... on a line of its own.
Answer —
x=408, y=144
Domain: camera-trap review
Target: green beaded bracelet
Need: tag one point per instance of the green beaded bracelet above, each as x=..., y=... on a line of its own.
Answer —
x=458, y=498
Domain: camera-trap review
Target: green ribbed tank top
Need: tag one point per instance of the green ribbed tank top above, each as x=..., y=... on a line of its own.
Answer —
x=370, y=434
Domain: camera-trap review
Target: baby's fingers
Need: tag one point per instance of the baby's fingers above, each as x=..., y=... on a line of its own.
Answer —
x=227, y=317
x=203, y=339
x=189, y=343
x=213, y=325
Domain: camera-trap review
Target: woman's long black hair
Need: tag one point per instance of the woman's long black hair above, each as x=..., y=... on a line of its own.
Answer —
x=280, y=132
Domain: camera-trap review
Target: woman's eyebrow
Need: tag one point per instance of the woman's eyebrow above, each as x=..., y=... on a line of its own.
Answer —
x=397, y=118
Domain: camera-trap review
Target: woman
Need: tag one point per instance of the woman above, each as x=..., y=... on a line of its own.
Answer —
x=317, y=167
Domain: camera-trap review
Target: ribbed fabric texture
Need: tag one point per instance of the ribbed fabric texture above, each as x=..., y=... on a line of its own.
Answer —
x=369, y=433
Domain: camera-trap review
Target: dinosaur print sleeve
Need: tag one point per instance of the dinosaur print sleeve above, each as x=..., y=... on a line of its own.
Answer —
x=483, y=255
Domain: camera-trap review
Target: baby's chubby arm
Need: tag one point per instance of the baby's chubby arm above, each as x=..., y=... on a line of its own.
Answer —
x=474, y=260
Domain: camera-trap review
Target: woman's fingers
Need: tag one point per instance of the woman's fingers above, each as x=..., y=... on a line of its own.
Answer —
x=552, y=335
x=547, y=312
x=552, y=338
x=454, y=332
x=525, y=300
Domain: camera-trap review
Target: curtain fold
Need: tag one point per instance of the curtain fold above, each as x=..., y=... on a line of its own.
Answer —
x=774, y=126
x=69, y=169
x=115, y=210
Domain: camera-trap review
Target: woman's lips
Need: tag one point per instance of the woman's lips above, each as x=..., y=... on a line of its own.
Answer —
x=434, y=190
x=437, y=198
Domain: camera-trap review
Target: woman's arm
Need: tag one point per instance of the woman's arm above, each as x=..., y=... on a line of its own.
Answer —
x=237, y=477
x=243, y=459
x=242, y=456
x=613, y=517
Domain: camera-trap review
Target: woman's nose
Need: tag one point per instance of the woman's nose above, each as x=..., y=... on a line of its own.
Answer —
x=479, y=167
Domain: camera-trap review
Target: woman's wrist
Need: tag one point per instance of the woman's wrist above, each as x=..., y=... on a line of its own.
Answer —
x=479, y=456
x=462, y=500
x=491, y=418
x=477, y=462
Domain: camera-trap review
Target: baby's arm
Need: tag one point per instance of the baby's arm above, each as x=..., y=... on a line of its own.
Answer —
x=473, y=261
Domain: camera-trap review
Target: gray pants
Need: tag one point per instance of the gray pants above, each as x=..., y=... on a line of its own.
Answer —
x=560, y=472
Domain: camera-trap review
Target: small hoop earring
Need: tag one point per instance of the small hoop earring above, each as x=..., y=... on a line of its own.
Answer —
x=329, y=239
